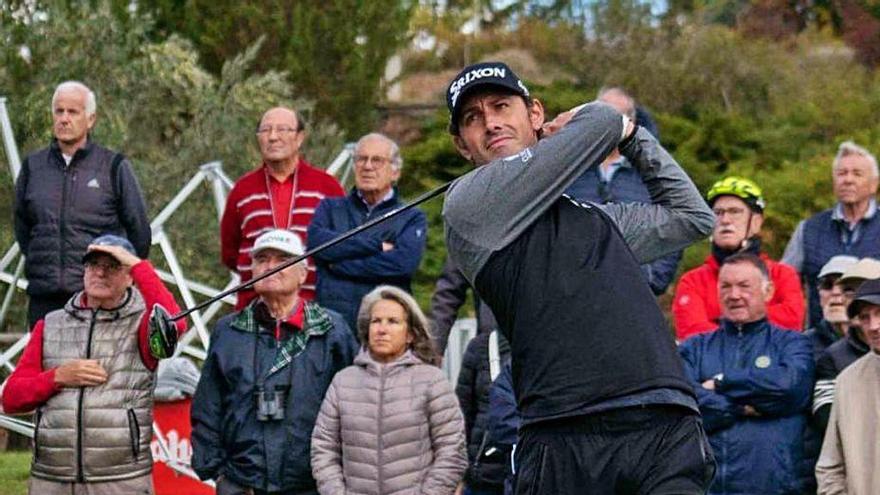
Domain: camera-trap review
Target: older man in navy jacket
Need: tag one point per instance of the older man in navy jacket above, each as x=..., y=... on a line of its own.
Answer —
x=753, y=382
x=387, y=254
x=267, y=371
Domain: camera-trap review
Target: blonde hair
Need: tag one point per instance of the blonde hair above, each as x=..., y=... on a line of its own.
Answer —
x=422, y=345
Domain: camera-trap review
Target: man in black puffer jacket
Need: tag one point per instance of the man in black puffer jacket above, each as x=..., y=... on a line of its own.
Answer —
x=482, y=361
x=68, y=194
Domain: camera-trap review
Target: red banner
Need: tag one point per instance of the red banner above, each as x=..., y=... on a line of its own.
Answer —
x=172, y=451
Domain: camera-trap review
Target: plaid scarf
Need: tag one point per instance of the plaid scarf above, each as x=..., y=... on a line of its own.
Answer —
x=316, y=322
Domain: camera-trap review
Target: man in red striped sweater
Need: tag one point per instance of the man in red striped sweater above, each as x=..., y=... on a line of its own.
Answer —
x=282, y=193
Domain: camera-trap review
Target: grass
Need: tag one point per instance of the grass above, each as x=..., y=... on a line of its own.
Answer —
x=14, y=470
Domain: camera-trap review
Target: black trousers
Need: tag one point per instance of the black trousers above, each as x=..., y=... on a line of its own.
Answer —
x=40, y=305
x=225, y=486
x=656, y=450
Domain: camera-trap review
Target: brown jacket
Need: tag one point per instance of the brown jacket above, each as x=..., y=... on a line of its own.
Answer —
x=393, y=429
x=850, y=460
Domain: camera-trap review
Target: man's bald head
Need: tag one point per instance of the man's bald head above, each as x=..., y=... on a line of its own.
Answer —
x=278, y=114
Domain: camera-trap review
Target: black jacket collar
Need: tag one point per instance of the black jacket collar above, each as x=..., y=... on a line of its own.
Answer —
x=825, y=332
x=855, y=341
x=752, y=246
x=81, y=153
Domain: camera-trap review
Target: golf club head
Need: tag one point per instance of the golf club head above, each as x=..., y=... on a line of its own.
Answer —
x=163, y=333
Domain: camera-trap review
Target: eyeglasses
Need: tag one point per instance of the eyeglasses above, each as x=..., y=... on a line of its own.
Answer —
x=376, y=160
x=281, y=129
x=110, y=267
x=734, y=212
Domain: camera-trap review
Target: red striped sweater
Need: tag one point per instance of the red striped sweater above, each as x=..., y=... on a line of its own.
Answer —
x=248, y=214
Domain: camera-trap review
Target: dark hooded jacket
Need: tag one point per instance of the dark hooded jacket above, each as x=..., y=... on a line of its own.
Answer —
x=485, y=469
x=227, y=438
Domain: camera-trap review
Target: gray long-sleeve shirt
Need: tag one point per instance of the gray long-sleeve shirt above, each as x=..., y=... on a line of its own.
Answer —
x=513, y=192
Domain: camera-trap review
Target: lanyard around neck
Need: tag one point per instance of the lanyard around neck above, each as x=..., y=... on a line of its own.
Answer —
x=292, y=198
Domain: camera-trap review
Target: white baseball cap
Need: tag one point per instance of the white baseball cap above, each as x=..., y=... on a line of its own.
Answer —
x=282, y=240
x=838, y=265
x=865, y=269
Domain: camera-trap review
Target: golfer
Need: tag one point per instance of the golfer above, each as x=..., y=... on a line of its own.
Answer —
x=606, y=408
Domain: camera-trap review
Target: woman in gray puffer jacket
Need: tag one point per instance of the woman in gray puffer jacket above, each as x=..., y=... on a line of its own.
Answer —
x=390, y=424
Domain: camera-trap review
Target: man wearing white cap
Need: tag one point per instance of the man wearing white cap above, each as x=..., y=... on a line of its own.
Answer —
x=834, y=322
x=263, y=381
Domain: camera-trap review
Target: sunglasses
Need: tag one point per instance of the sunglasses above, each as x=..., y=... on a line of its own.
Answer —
x=827, y=283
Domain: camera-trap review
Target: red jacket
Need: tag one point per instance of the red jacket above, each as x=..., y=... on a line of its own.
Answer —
x=30, y=385
x=696, y=309
x=248, y=214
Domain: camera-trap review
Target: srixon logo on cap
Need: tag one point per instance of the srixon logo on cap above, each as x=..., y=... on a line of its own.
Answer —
x=461, y=82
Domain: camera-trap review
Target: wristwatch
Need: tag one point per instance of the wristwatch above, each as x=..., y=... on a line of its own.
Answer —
x=717, y=379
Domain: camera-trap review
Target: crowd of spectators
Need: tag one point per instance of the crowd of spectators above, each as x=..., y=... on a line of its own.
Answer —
x=325, y=379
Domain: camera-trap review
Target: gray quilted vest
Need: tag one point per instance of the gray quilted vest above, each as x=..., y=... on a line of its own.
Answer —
x=102, y=433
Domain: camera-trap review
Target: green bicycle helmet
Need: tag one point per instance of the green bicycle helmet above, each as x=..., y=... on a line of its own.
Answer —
x=740, y=187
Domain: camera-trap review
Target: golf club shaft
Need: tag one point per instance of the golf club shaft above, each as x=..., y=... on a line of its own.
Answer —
x=332, y=242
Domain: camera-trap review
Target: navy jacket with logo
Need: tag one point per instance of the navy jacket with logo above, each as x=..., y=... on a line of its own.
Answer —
x=770, y=369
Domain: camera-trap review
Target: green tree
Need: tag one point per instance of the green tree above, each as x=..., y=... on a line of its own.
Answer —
x=334, y=51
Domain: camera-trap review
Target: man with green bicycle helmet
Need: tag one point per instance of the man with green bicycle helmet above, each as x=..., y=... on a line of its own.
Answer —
x=739, y=205
x=740, y=187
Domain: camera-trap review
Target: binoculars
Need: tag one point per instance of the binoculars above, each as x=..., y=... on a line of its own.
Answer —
x=270, y=403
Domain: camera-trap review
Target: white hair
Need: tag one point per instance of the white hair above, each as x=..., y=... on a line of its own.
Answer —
x=630, y=110
x=91, y=103
x=396, y=159
x=847, y=148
